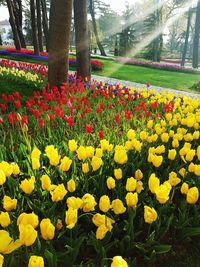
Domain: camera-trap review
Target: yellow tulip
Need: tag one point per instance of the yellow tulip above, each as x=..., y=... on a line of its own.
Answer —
x=184, y=188
x=35, y=153
x=1, y=260
x=131, y=134
x=27, y=234
x=162, y=193
x=104, y=203
x=58, y=193
x=6, y=168
x=110, y=183
x=81, y=152
x=118, y=206
x=28, y=185
x=120, y=156
x=46, y=182
x=99, y=152
x=118, y=173
x=16, y=169
x=35, y=163
x=71, y=217
x=192, y=195
x=89, y=203
x=7, y=244
x=173, y=179
x=36, y=261
x=72, y=144
x=101, y=232
x=47, y=229
x=2, y=177
x=150, y=215
x=28, y=218
x=131, y=184
x=4, y=219
x=131, y=199
x=85, y=167
x=139, y=187
x=153, y=183
x=138, y=174
x=74, y=202
x=171, y=154
x=65, y=164
x=9, y=203
x=96, y=163
x=89, y=151
x=71, y=186
x=118, y=261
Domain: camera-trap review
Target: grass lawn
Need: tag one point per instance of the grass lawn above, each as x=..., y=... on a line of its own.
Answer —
x=139, y=74
x=163, y=78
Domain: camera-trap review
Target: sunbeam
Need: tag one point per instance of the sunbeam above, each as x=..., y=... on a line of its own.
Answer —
x=148, y=39
x=137, y=17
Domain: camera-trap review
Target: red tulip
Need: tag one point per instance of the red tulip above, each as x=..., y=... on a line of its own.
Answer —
x=89, y=128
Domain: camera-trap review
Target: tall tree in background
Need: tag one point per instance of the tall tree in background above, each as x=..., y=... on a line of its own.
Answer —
x=39, y=25
x=152, y=23
x=82, y=39
x=92, y=13
x=13, y=25
x=34, y=27
x=195, y=56
x=17, y=9
x=185, y=47
x=59, y=38
x=45, y=21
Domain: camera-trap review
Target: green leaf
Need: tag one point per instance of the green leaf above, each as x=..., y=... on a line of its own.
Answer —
x=190, y=231
x=51, y=258
x=161, y=249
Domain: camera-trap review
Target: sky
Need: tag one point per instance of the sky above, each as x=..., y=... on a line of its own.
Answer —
x=117, y=5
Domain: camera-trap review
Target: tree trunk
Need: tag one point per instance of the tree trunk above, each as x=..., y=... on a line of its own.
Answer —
x=82, y=39
x=39, y=25
x=195, y=56
x=13, y=25
x=59, y=38
x=17, y=9
x=91, y=7
x=45, y=22
x=34, y=28
x=185, y=47
x=0, y=39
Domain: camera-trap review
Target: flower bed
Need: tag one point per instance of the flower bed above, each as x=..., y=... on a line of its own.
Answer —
x=96, y=65
x=155, y=65
x=90, y=173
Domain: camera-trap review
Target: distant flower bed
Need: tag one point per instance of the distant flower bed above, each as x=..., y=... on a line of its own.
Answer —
x=155, y=65
x=96, y=65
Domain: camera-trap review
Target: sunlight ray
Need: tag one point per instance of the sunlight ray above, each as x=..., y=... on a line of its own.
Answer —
x=137, y=17
x=148, y=39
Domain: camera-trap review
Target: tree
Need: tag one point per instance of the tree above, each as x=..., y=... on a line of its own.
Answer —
x=0, y=39
x=39, y=25
x=45, y=21
x=185, y=47
x=92, y=13
x=82, y=39
x=195, y=56
x=34, y=27
x=13, y=24
x=152, y=23
x=59, y=36
x=17, y=9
